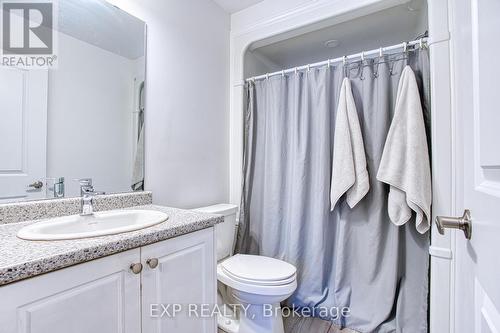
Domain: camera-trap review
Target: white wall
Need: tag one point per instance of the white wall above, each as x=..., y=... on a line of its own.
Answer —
x=256, y=64
x=187, y=88
x=90, y=104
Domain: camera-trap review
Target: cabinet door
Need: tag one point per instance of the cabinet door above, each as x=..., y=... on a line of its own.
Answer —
x=100, y=296
x=185, y=277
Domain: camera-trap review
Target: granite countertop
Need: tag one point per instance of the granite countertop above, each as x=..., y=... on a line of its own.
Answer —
x=21, y=259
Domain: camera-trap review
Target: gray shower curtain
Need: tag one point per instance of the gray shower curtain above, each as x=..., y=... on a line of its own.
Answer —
x=352, y=258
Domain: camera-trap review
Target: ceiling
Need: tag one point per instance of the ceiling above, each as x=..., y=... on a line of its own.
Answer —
x=233, y=6
x=103, y=25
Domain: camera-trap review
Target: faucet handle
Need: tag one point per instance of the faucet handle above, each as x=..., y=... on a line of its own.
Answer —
x=84, y=181
x=85, y=185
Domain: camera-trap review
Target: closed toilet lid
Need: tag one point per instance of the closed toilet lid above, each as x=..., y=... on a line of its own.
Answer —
x=259, y=270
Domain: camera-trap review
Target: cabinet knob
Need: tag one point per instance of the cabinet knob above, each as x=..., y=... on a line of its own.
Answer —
x=152, y=263
x=136, y=268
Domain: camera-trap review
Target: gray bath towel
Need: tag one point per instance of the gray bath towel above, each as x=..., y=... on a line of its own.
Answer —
x=349, y=172
x=405, y=162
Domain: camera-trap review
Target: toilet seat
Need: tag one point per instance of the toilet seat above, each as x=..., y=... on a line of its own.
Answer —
x=257, y=274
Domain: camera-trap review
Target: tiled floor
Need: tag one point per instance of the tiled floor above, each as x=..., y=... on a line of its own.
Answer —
x=309, y=325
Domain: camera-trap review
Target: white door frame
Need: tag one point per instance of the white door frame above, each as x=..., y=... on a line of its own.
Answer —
x=326, y=12
x=444, y=168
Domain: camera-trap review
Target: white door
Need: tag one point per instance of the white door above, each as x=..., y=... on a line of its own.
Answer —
x=100, y=296
x=23, y=133
x=475, y=64
x=180, y=272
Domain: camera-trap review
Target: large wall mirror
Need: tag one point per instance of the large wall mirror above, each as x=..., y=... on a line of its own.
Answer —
x=84, y=118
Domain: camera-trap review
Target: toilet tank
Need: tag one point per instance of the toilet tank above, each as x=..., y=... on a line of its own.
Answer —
x=225, y=232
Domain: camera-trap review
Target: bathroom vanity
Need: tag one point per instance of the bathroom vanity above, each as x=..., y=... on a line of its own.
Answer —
x=84, y=262
x=139, y=281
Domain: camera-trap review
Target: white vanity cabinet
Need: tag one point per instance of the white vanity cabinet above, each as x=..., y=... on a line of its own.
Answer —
x=185, y=278
x=104, y=295
x=98, y=296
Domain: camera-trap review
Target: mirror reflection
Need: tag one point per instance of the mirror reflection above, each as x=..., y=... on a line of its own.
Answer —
x=83, y=118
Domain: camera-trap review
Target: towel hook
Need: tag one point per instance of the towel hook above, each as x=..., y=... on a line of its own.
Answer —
x=405, y=50
x=344, y=66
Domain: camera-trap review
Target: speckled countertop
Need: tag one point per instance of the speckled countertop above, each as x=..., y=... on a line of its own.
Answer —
x=21, y=259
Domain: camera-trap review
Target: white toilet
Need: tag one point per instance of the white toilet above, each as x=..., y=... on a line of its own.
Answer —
x=256, y=283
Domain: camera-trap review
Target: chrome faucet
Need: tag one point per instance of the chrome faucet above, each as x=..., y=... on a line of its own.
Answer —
x=87, y=193
x=59, y=187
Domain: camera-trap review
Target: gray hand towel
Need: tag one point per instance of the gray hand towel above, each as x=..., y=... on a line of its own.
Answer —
x=349, y=172
x=138, y=170
x=405, y=162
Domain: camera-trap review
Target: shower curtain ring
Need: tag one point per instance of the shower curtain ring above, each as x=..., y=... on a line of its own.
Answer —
x=283, y=73
x=361, y=66
x=380, y=52
x=267, y=76
x=421, y=43
x=391, y=69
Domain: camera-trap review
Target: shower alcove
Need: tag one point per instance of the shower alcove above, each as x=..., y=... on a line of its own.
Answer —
x=319, y=30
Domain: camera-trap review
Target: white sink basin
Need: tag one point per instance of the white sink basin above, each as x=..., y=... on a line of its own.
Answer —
x=98, y=224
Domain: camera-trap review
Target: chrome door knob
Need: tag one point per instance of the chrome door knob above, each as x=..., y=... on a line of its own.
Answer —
x=136, y=268
x=152, y=263
x=463, y=223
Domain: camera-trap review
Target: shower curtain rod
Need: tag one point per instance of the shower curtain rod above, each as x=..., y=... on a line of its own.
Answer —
x=422, y=42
